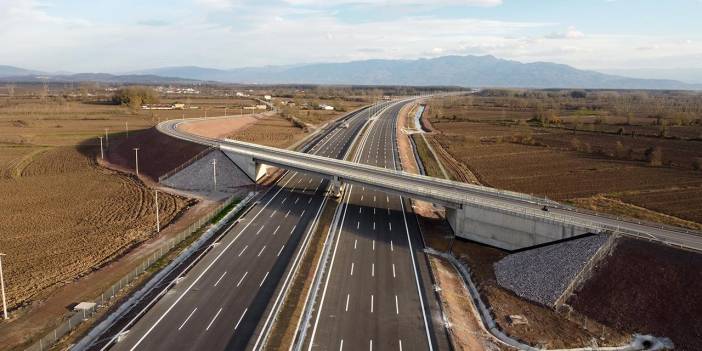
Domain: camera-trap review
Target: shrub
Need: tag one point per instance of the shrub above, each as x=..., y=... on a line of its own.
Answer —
x=654, y=156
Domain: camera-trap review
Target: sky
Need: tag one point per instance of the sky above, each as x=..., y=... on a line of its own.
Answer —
x=119, y=36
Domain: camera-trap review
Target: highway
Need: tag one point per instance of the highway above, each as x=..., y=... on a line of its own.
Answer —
x=377, y=293
x=219, y=303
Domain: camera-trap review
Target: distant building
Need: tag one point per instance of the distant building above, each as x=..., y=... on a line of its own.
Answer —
x=326, y=107
x=261, y=107
x=267, y=97
x=175, y=106
x=240, y=94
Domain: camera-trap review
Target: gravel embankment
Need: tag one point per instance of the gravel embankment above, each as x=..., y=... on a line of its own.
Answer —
x=542, y=274
x=198, y=176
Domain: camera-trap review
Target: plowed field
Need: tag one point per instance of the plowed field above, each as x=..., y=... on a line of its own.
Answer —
x=63, y=217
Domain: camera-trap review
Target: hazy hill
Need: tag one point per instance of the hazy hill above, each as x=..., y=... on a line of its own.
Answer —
x=473, y=71
x=8, y=71
x=466, y=71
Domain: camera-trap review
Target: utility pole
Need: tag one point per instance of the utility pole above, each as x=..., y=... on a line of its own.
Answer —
x=2, y=286
x=102, y=154
x=158, y=223
x=136, y=160
x=214, y=174
x=126, y=127
x=107, y=139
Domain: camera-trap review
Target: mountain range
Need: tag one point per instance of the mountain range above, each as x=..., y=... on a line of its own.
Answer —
x=465, y=71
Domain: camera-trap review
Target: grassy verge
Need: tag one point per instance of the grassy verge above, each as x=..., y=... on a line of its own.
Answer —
x=284, y=328
x=431, y=165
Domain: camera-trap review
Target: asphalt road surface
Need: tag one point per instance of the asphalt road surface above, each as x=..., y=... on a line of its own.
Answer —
x=377, y=294
x=219, y=303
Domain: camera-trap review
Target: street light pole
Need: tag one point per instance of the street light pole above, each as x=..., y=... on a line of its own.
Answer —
x=102, y=154
x=136, y=160
x=2, y=287
x=107, y=139
x=214, y=174
x=158, y=223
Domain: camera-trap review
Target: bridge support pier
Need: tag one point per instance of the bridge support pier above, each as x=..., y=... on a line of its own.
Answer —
x=335, y=187
x=508, y=230
x=248, y=165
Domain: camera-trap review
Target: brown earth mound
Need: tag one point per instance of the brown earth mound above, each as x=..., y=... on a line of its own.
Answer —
x=158, y=153
x=647, y=288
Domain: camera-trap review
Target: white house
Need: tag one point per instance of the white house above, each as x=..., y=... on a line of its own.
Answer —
x=326, y=107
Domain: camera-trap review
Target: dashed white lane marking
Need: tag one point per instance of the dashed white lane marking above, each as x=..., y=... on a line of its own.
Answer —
x=361, y=197
x=351, y=273
x=293, y=229
x=187, y=318
x=355, y=242
x=287, y=214
x=213, y=318
x=220, y=278
x=242, y=279
x=371, y=303
x=397, y=306
x=281, y=250
x=273, y=213
x=372, y=269
x=260, y=252
x=393, y=270
x=373, y=225
x=373, y=210
x=260, y=229
x=276, y=230
x=358, y=224
x=400, y=343
x=263, y=280
x=359, y=209
x=309, y=201
x=347, y=302
x=285, y=198
x=242, y=251
x=373, y=244
x=391, y=247
x=341, y=345
x=390, y=226
x=240, y=318
x=297, y=199
x=370, y=345
x=303, y=213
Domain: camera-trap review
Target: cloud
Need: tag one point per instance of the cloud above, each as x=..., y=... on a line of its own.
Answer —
x=252, y=35
x=570, y=33
x=389, y=3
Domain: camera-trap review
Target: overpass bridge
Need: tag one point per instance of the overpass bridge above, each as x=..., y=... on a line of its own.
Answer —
x=504, y=219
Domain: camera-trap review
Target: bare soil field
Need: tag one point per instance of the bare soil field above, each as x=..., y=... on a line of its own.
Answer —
x=218, y=128
x=158, y=153
x=648, y=287
x=271, y=131
x=587, y=152
x=80, y=215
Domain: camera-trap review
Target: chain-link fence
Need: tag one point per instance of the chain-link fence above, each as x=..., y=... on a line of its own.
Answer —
x=75, y=318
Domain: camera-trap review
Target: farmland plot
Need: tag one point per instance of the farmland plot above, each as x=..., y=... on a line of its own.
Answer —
x=64, y=217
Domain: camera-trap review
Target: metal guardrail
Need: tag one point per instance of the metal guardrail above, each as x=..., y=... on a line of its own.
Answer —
x=74, y=319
